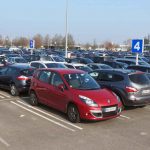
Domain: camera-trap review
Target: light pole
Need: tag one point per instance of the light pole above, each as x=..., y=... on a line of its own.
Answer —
x=66, y=43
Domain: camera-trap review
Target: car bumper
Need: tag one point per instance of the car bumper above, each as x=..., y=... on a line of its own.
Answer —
x=87, y=113
x=138, y=101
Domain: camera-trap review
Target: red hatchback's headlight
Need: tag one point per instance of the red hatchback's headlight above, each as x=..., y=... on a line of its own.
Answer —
x=88, y=101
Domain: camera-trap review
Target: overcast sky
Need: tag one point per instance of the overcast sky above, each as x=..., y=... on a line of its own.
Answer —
x=88, y=20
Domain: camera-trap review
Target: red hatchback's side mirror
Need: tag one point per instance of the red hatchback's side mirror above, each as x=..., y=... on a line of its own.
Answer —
x=61, y=87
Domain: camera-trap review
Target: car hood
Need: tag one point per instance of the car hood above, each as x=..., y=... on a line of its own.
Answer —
x=103, y=97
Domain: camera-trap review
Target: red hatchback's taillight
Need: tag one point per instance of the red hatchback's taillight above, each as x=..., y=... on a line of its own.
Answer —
x=22, y=78
x=130, y=89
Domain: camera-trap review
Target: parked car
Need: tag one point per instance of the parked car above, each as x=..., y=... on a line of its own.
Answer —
x=141, y=58
x=54, y=58
x=131, y=61
x=95, y=66
x=80, y=60
x=78, y=66
x=140, y=68
x=133, y=87
x=16, y=78
x=16, y=60
x=75, y=93
x=116, y=65
x=47, y=64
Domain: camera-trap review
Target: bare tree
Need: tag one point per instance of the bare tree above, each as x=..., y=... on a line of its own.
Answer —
x=47, y=41
x=1, y=40
x=38, y=40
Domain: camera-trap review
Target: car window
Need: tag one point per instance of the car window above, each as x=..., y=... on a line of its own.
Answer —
x=94, y=75
x=3, y=70
x=117, y=78
x=105, y=77
x=36, y=65
x=56, y=79
x=69, y=66
x=45, y=76
x=55, y=65
x=12, y=71
x=27, y=72
x=139, y=78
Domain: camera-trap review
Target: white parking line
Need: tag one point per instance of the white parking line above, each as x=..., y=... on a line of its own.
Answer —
x=1, y=96
x=4, y=142
x=125, y=117
x=5, y=95
x=50, y=120
x=51, y=116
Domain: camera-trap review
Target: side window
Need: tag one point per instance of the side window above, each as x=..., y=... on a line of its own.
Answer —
x=36, y=65
x=105, y=77
x=3, y=71
x=11, y=71
x=41, y=66
x=118, y=78
x=44, y=76
x=94, y=75
x=69, y=66
x=56, y=79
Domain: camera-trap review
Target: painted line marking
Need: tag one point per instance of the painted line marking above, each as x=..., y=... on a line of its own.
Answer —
x=4, y=142
x=3, y=94
x=50, y=120
x=125, y=117
x=51, y=115
x=9, y=99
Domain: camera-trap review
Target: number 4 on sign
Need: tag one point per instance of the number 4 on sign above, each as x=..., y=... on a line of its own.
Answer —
x=137, y=46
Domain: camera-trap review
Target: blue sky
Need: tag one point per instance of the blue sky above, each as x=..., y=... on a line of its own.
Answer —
x=88, y=20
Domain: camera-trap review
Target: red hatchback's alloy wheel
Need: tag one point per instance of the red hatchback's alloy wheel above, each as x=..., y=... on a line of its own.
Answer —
x=73, y=113
x=33, y=99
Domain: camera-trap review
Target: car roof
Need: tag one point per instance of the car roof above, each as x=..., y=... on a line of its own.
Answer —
x=63, y=70
x=142, y=66
x=123, y=71
x=20, y=65
x=47, y=62
x=78, y=64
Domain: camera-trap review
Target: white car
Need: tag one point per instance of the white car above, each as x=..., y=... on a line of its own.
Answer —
x=78, y=66
x=47, y=64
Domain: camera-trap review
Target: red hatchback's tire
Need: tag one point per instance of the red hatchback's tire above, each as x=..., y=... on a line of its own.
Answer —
x=33, y=99
x=73, y=113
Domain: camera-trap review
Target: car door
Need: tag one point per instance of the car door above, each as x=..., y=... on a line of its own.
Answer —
x=3, y=77
x=59, y=98
x=41, y=86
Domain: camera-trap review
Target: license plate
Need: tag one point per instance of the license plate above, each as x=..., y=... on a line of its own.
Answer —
x=145, y=91
x=110, y=109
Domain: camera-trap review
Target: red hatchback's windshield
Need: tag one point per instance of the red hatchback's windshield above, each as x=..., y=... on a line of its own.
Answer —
x=81, y=81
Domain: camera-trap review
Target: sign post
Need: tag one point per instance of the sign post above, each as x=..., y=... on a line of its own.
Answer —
x=137, y=47
x=32, y=45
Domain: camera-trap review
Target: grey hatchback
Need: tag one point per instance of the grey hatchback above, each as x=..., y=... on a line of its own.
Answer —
x=133, y=87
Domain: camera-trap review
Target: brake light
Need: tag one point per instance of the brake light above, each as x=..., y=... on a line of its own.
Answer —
x=21, y=78
x=130, y=89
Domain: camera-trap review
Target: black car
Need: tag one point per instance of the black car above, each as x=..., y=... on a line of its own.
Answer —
x=132, y=87
x=116, y=65
x=140, y=68
x=16, y=78
x=80, y=60
x=95, y=66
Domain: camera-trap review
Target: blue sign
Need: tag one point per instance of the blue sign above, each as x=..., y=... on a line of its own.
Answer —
x=137, y=46
x=32, y=43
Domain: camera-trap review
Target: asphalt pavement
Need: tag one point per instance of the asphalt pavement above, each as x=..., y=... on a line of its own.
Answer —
x=23, y=127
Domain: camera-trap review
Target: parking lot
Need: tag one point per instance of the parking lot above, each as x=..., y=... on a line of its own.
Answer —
x=25, y=127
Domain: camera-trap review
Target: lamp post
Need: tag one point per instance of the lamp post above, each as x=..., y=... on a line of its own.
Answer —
x=66, y=43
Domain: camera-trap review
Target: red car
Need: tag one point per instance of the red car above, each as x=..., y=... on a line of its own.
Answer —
x=75, y=93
